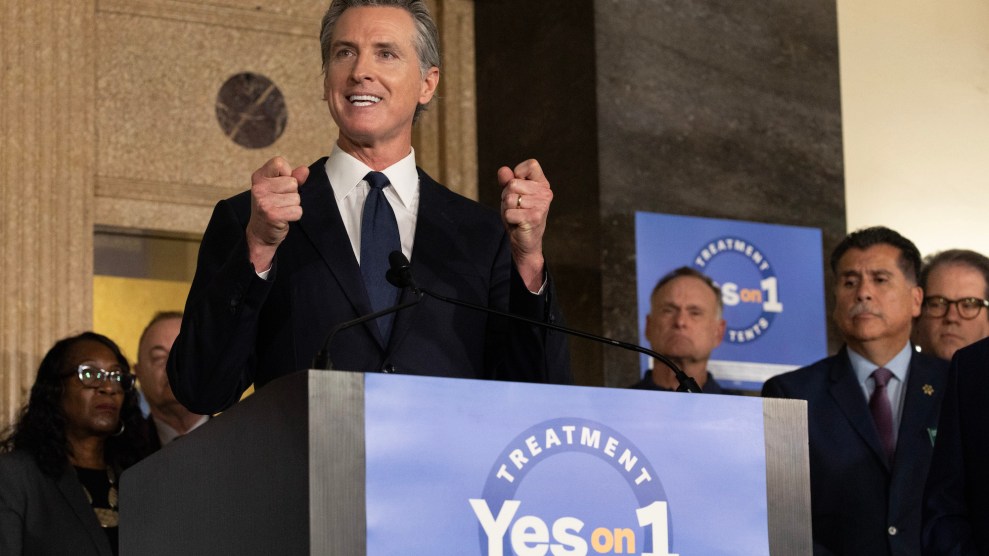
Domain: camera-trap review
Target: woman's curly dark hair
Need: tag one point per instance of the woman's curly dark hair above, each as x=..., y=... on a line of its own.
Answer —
x=40, y=429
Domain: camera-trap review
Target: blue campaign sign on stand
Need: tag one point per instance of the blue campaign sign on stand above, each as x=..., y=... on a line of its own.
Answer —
x=772, y=282
x=469, y=467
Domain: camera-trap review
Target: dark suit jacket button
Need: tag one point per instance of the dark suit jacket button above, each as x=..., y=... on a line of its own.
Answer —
x=892, y=530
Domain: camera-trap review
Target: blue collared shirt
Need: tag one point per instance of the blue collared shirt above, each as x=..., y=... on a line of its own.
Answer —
x=899, y=366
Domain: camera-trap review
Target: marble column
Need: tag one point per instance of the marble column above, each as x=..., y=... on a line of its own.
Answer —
x=46, y=160
x=536, y=99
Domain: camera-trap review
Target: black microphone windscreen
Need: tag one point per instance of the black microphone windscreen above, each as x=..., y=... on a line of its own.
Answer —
x=398, y=274
x=394, y=278
x=397, y=260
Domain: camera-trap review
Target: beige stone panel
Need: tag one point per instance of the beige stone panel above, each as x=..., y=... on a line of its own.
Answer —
x=183, y=220
x=300, y=17
x=46, y=138
x=158, y=191
x=156, y=102
x=305, y=10
x=446, y=137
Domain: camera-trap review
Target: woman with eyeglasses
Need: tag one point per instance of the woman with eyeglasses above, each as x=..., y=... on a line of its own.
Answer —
x=60, y=462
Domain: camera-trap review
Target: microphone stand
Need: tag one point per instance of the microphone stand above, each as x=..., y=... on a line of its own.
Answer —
x=687, y=383
x=400, y=275
x=322, y=360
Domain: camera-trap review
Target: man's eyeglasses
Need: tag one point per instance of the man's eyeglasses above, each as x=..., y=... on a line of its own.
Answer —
x=968, y=307
x=92, y=376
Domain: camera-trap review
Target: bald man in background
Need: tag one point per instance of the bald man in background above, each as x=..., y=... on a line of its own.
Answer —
x=169, y=419
x=685, y=324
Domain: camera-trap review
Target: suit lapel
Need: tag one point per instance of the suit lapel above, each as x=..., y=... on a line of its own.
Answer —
x=913, y=446
x=322, y=223
x=435, y=226
x=847, y=393
x=919, y=405
x=70, y=488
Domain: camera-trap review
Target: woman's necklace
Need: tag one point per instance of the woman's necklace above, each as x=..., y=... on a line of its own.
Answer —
x=108, y=516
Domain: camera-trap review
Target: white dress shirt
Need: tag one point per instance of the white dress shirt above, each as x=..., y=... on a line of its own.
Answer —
x=350, y=189
x=346, y=175
x=167, y=434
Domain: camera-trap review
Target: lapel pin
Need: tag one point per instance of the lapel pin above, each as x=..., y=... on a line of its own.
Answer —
x=928, y=389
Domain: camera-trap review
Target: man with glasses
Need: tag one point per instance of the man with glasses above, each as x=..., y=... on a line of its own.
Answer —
x=956, y=500
x=956, y=295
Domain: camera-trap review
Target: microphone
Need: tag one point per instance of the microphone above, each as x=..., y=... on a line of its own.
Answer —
x=400, y=276
x=322, y=360
x=400, y=272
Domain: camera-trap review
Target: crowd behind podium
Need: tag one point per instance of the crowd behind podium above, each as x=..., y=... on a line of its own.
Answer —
x=307, y=248
x=83, y=425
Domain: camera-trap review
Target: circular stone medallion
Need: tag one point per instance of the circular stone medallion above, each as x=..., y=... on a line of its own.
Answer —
x=251, y=110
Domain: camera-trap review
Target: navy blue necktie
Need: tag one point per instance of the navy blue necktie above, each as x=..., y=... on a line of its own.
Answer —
x=379, y=237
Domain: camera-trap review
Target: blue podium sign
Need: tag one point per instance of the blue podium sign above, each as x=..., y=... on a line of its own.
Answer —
x=772, y=285
x=494, y=468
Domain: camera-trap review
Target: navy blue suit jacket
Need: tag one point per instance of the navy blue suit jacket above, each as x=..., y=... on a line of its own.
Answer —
x=860, y=504
x=956, y=502
x=240, y=329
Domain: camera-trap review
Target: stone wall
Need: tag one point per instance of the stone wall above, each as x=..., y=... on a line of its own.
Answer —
x=694, y=107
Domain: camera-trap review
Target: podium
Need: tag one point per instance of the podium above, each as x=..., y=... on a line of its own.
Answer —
x=342, y=463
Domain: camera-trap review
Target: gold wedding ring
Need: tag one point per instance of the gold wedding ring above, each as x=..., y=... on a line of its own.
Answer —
x=518, y=202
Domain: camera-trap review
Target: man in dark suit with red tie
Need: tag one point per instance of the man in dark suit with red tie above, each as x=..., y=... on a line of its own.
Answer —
x=306, y=248
x=872, y=409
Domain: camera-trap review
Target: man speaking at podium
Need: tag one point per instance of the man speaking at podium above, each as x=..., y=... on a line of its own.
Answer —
x=307, y=248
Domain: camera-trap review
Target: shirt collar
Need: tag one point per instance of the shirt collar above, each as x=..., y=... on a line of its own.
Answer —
x=167, y=434
x=898, y=365
x=346, y=173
